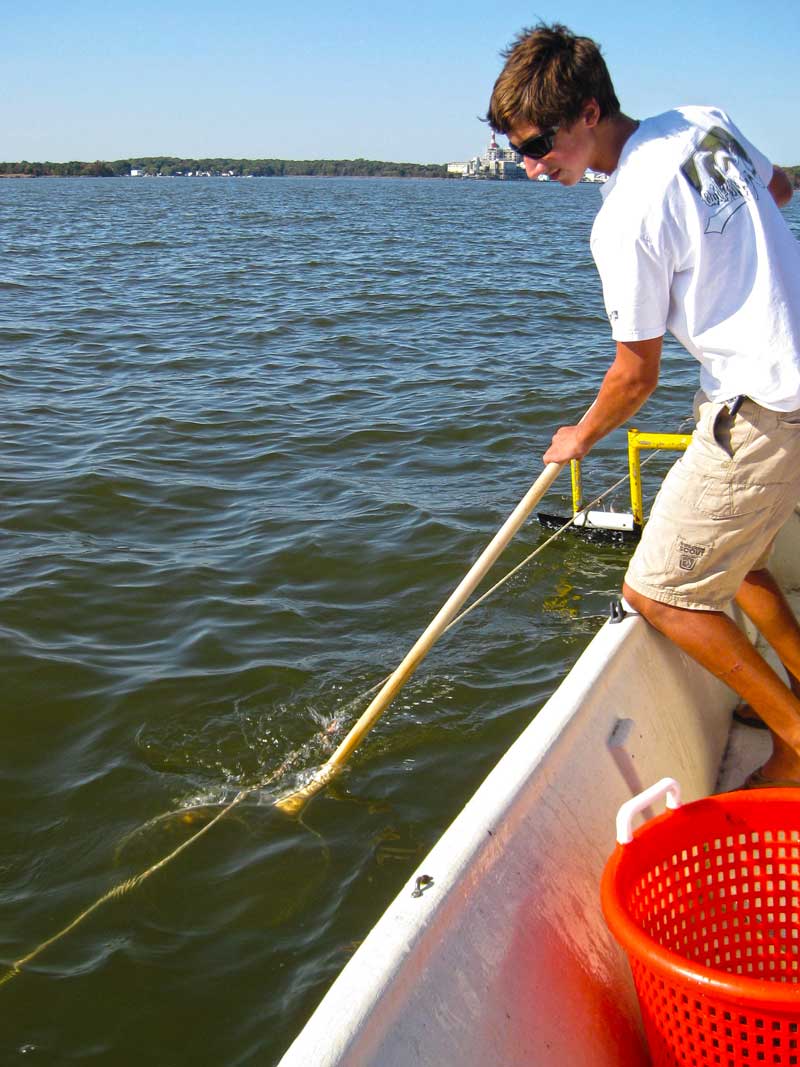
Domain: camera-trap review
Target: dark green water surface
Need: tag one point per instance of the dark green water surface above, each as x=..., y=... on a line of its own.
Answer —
x=254, y=432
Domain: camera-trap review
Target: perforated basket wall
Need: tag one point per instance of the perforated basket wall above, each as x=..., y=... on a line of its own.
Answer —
x=706, y=902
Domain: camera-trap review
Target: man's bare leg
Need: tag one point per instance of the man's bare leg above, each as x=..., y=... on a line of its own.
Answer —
x=762, y=600
x=716, y=642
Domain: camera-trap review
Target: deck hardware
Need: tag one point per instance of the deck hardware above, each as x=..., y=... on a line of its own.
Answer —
x=616, y=611
x=423, y=882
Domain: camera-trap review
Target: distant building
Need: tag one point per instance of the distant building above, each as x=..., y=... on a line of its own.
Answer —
x=496, y=163
x=136, y=173
x=505, y=163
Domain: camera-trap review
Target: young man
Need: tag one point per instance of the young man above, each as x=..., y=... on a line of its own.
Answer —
x=689, y=239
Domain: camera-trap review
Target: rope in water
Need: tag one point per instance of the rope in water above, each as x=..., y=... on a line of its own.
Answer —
x=121, y=888
x=117, y=891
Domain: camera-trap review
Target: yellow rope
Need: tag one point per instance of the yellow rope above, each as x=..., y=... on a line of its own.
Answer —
x=126, y=886
x=119, y=890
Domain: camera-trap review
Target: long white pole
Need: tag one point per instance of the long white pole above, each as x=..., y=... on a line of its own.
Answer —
x=295, y=801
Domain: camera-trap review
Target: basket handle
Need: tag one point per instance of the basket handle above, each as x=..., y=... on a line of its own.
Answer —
x=643, y=800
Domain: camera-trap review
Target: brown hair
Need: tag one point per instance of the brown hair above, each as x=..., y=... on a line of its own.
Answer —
x=548, y=76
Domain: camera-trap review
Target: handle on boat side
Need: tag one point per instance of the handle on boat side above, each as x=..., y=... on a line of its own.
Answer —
x=666, y=787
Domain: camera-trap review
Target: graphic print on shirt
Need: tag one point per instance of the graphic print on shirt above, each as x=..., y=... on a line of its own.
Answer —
x=723, y=175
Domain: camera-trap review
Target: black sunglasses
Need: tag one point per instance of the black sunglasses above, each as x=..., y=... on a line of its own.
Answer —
x=538, y=146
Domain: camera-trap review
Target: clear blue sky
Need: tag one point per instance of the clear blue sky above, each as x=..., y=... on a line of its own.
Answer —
x=101, y=79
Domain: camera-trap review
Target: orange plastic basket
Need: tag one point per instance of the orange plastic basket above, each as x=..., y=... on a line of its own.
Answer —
x=705, y=900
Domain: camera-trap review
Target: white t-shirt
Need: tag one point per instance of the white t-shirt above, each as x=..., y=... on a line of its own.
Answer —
x=689, y=240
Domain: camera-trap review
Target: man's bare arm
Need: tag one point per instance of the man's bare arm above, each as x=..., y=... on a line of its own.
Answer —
x=630, y=380
x=780, y=187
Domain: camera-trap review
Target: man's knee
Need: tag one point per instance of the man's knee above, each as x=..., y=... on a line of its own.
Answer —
x=664, y=617
x=652, y=610
x=759, y=576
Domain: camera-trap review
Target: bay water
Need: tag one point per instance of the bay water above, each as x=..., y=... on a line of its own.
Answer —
x=254, y=433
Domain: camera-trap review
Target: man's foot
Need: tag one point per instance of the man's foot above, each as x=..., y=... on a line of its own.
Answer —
x=747, y=717
x=759, y=780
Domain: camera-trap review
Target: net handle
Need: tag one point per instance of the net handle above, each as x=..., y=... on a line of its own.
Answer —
x=631, y=808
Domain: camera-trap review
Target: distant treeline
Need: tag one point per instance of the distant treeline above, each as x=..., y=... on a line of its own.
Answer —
x=169, y=166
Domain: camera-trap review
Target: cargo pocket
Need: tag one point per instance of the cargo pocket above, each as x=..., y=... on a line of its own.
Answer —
x=725, y=500
x=713, y=494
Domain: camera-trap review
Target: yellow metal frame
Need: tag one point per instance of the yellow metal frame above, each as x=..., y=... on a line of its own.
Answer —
x=638, y=442
x=577, y=488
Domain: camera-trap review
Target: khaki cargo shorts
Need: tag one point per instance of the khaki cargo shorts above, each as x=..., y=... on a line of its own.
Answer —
x=720, y=507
